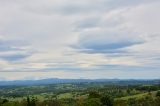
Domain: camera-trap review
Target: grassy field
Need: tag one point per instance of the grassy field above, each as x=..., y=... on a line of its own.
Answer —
x=138, y=96
x=82, y=93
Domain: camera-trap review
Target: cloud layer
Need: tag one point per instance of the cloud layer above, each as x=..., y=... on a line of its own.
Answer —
x=79, y=39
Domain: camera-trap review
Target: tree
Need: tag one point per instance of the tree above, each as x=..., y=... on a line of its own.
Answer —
x=107, y=100
x=93, y=102
x=28, y=101
x=4, y=101
x=120, y=102
x=33, y=101
x=157, y=101
x=132, y=102
x=158, y=93
x=94, y=94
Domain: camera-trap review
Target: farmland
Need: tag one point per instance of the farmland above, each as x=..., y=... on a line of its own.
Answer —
x=81, y=94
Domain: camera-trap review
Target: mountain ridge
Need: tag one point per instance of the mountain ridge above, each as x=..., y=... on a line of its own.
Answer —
x=60, y=81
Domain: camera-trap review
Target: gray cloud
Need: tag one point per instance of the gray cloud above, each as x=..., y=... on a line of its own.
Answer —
x=15, y=57
x=11, y=45
x=14, y=50
x=72, y=7
x=87, y=23
x=106, y=42
x=127, y=68
x=95, y=6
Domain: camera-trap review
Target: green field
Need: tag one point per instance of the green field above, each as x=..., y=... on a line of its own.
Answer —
x=83, y=94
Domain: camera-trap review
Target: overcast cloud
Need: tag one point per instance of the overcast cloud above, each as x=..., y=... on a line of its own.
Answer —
x=79, y=39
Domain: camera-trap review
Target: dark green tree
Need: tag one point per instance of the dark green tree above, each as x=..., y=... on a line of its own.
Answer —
x=93, y=102
x=33, y=101
x=107, y=100
x=94, y=94
x=132, y=102
x=158, y=93
x=28, y=101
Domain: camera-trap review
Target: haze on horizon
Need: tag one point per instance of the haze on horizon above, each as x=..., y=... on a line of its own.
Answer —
x=79, y=39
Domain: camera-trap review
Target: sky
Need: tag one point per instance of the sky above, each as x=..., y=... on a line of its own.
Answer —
x=74, y=39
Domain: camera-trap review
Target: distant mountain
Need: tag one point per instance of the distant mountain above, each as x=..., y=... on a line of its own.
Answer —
x=58, y=81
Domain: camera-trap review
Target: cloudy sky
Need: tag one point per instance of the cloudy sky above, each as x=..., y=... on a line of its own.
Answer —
x=79, y=39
